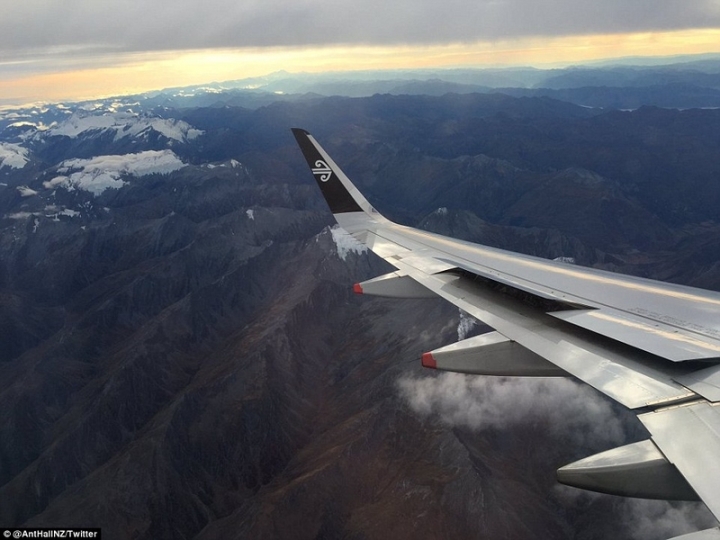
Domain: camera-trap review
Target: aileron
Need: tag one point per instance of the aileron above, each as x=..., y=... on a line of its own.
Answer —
x=654, y=337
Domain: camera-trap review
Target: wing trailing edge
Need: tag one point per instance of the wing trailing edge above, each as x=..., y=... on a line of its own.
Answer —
x=708, y=534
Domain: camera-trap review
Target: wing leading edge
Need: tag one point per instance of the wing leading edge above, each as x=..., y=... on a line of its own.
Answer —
x=653, y=347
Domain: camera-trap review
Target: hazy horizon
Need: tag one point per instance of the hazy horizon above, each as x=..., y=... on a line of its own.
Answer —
x=368, y=73
x=83, y=49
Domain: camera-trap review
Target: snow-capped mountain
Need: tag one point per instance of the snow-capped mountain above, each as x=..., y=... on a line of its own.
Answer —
x=121, y=125
x=87, y=148
x=108, y=172
x=115, y=119
x=13, y=156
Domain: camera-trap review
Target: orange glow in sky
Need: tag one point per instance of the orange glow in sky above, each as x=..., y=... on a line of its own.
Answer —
x=152, y=71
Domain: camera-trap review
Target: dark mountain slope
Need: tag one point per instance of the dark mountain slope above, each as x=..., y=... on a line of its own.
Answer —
x=183, y=357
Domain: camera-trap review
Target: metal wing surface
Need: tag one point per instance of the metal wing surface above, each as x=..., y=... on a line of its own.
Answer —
x=654, y=347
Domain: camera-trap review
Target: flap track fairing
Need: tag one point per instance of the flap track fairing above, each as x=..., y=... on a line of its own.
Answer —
x=491, y=354
x=635, y=470
x=394, y=285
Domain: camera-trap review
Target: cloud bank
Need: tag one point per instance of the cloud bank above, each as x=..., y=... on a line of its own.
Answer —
x=575, y=411
x=70, y=28
x=649, y=520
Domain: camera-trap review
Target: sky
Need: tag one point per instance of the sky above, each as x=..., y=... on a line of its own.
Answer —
x=80, y=49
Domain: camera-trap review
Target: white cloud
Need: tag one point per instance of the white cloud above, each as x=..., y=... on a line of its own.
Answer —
x=649, y=520
x=106, y=172
x=575, y=411
x=466, y=323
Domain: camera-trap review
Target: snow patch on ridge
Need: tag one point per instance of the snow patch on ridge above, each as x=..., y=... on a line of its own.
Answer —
x=13, y=156
x=21, y=215
x=105, y=172
x=125, y=125
x=345, y=243
x=25, y=191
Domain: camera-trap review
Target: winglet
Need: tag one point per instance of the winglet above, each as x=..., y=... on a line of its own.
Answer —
x=339, y=192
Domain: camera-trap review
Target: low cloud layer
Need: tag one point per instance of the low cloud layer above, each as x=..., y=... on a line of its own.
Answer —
x=650, y=520
x=644, y=519
x=466, y=324
x=572, y=410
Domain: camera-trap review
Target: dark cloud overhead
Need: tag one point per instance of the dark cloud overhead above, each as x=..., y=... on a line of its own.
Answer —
x=36, y=26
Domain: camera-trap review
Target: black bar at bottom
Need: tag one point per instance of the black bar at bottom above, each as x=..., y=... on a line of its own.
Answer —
x=15, y=533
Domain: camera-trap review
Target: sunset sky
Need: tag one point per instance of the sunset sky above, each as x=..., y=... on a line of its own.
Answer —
x=77, y=49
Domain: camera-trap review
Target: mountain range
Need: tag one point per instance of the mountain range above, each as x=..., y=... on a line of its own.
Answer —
x=182, y=356
x=673, y=82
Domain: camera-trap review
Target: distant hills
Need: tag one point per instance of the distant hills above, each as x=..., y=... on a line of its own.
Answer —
x=674, y=82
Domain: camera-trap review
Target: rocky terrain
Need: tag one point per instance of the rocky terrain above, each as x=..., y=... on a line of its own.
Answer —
x=181, y=354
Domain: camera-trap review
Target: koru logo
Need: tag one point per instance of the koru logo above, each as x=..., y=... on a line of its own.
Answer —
x=322, y=169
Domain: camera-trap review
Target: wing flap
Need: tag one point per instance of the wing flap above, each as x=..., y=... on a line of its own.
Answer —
x=689, y=437
x=705, y=382
x=624, y=374
x=654, y=337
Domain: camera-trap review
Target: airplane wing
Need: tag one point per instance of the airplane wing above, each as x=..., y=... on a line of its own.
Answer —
x=653, y=347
